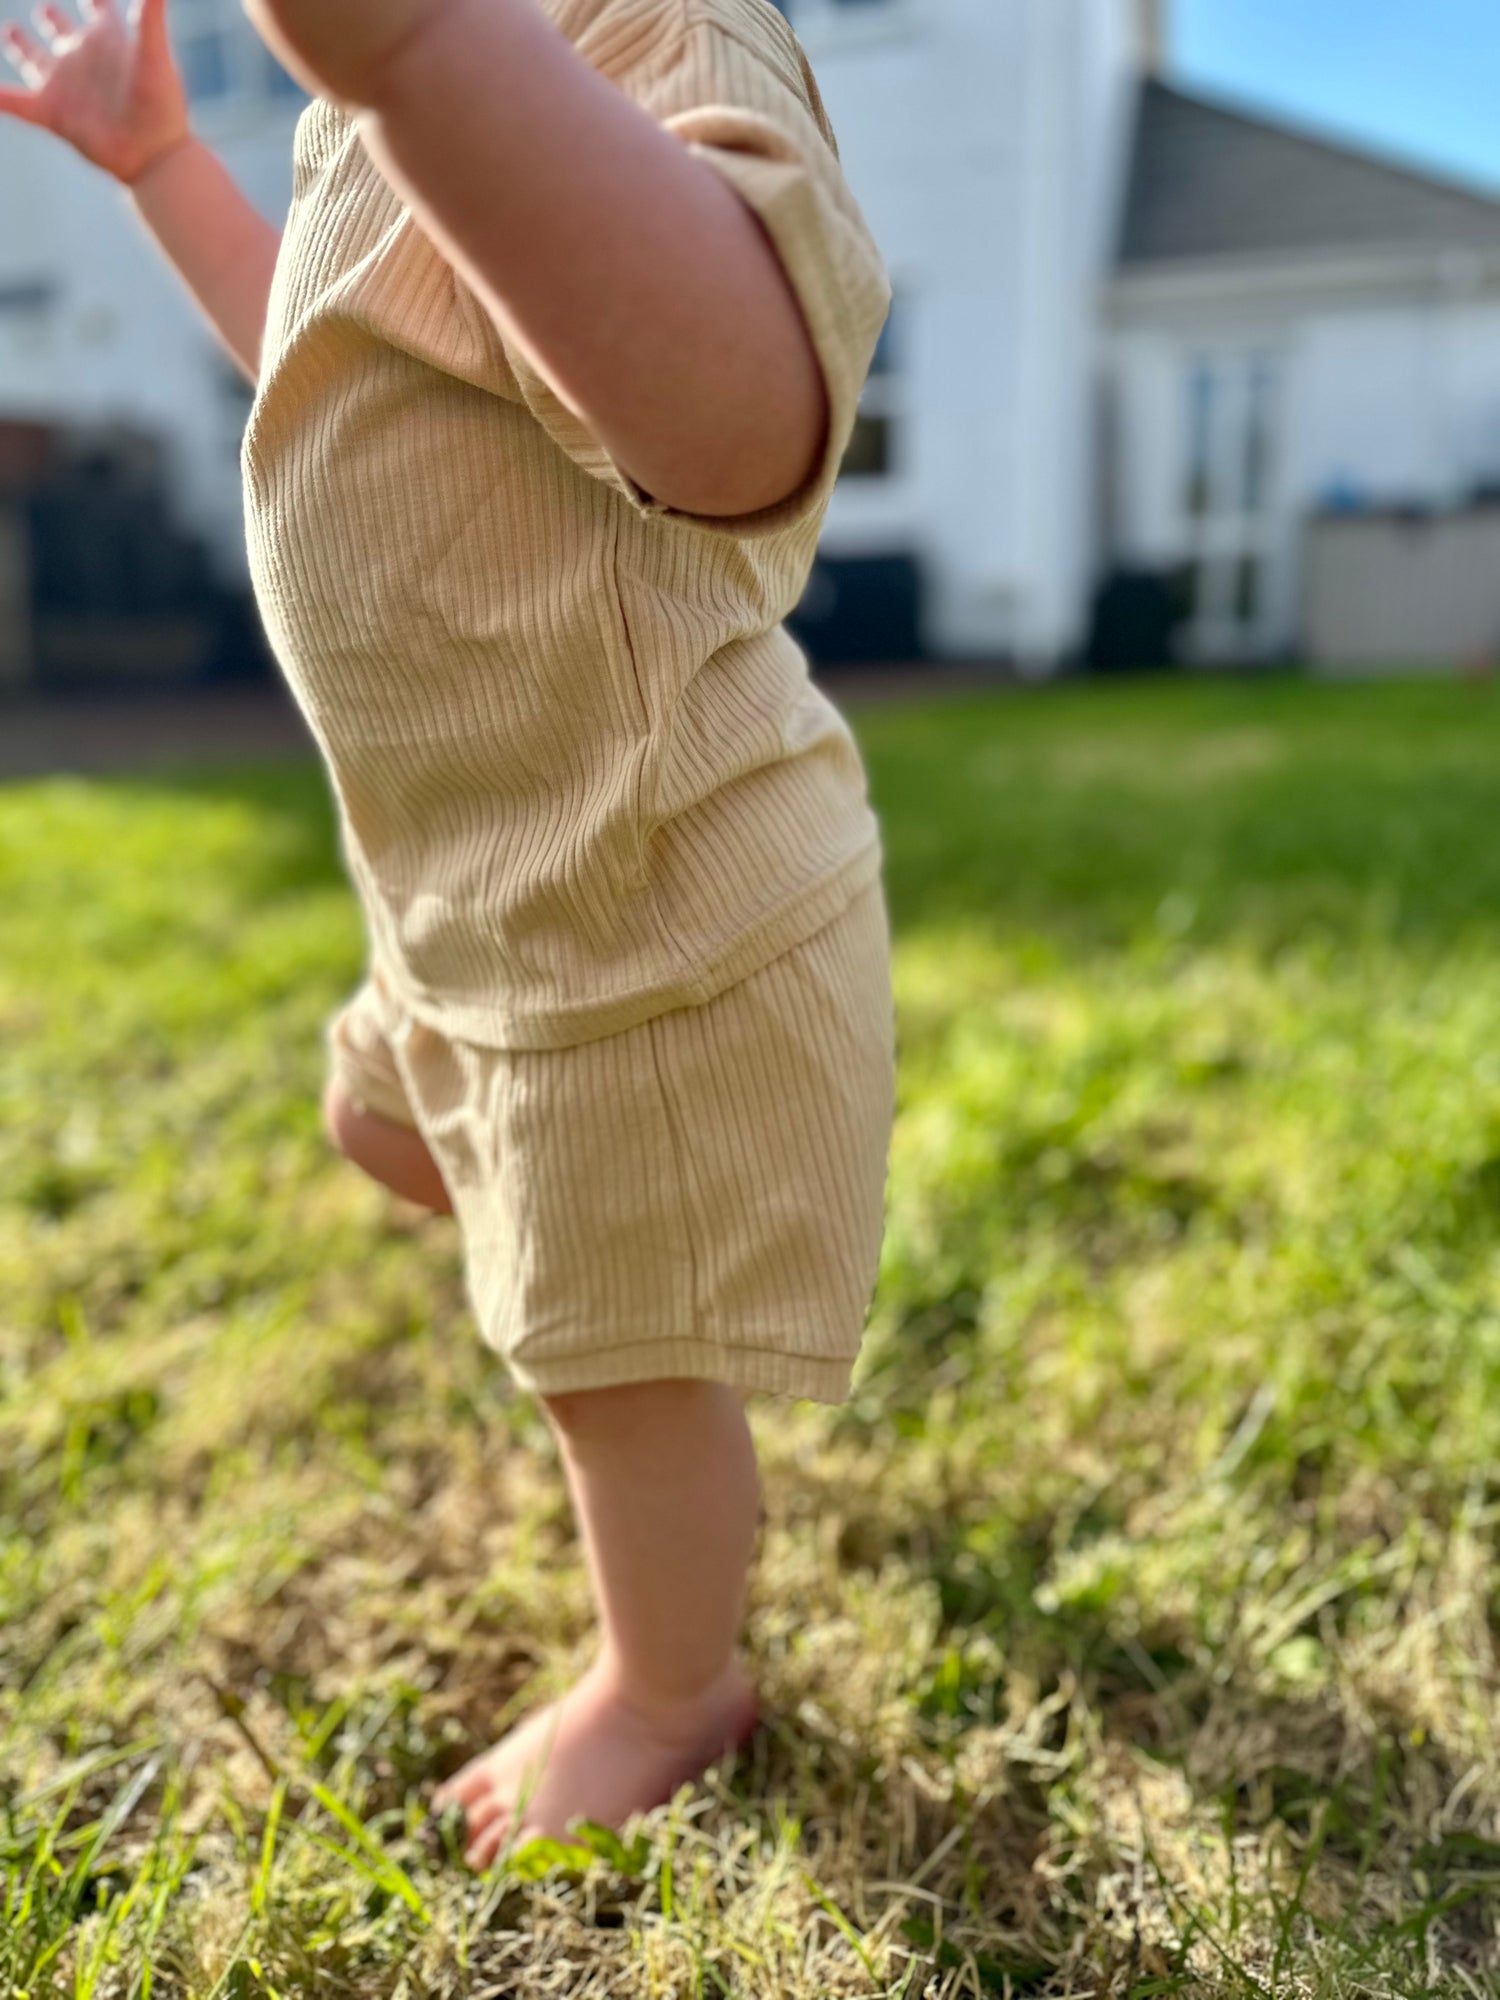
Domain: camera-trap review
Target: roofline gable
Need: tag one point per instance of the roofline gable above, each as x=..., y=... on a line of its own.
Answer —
x=1209, y=177
x=1364, y=152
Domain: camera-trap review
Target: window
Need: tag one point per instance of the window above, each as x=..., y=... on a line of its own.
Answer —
x=205, y=64
x=873, y=445
x=806, y=15
x=224, y=61
x=1200, y=441
x=1228, y=486
x=26, y=316
x=1258, y=441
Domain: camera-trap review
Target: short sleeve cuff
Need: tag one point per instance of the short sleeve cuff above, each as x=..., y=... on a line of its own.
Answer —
x=789, y=177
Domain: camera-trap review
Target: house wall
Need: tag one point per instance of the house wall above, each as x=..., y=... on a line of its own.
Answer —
x=985, y=141
x=1404, y=402
x=1389, y=373
x=122, y=338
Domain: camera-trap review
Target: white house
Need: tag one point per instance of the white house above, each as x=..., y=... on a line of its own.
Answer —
x=987, y=141
x=1137, y=328
x=94, y=322
x=1131, y=328
x=1292, y=326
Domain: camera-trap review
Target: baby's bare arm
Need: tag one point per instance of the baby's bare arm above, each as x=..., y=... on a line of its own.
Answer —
x=221, y=245
x=628, y=271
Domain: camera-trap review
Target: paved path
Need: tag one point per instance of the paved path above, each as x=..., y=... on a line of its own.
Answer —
x=132, y=731
x=135, y=731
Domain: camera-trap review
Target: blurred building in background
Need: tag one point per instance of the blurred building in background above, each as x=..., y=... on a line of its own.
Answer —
x=1301, y=393
x=988, y=144
x=1162, y=377
x=121, y=526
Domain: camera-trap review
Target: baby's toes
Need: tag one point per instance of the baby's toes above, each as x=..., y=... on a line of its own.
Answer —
x=461, y=1788
x=482, y=1807
x=486, y=1835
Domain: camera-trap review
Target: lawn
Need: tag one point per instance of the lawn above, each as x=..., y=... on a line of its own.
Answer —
x=1134, y=1631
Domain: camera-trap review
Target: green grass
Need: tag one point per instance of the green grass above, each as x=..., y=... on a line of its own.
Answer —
x=1134, y=1631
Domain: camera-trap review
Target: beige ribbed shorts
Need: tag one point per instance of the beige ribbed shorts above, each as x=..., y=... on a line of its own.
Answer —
x=701, y=1195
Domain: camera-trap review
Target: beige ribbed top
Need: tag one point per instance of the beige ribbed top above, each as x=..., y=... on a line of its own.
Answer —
x=581, y=774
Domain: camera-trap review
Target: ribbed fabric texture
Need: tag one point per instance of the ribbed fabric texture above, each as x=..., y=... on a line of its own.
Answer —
x=701, y=1195
x=581, y=773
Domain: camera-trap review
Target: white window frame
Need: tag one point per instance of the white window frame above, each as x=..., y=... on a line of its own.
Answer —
x=888, y=397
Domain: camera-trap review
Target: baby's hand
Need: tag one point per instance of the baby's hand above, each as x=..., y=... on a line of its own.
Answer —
x=340, y=48
x=114, y=95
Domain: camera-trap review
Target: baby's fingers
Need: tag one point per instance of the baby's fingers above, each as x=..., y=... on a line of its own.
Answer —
x=25, y=56
x=57, y=30
x=20, y=104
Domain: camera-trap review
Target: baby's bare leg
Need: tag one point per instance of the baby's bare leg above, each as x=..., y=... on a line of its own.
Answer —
x=664, y=1483
x=392, y=1154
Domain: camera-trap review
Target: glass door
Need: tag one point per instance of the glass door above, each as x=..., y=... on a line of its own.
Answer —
x=1228, y=502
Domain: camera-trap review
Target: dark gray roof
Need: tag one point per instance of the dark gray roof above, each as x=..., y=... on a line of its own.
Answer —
x=1209, y=180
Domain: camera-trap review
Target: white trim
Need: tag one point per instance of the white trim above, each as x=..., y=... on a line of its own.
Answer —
x=1424, y=271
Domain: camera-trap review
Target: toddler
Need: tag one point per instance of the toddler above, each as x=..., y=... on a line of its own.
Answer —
x=554, y=366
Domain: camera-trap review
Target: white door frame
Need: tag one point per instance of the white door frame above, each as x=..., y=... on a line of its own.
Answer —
x=1230, y=472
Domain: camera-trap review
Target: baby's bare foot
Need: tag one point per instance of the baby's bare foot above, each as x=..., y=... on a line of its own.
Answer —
x=593, y=1754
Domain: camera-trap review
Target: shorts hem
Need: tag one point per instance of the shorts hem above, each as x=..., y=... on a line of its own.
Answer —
x=768, y=1371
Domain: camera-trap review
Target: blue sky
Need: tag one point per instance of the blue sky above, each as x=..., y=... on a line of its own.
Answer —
x=1418, y=77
